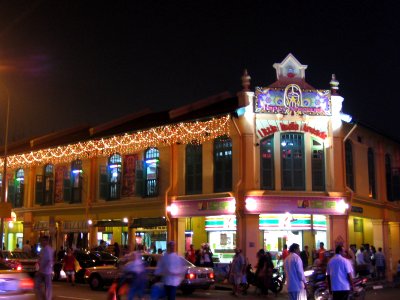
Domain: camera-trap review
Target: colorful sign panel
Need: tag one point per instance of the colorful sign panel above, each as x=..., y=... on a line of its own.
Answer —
x=128, y=178
x=292, y=222
x=204, y=207
x=295, y=205
x=293, y=101
x=217, y=223
x=266, y=128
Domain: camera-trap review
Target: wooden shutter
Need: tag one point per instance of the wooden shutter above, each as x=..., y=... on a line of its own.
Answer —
x=139, y=178
x=39, y=196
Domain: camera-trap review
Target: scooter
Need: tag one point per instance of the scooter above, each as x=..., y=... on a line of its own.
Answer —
x=358, y=292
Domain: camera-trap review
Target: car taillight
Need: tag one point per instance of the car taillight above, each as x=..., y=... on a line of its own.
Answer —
x=26, y=284
x=190, y=276
x=211, y=275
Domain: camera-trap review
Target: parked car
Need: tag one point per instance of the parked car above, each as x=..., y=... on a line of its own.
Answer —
x=28, y=261
x=86, y=260
x=194, y=277
x=15, y=285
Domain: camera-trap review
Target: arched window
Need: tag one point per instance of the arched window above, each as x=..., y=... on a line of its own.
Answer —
x=76, y=181
x=348, y=150
x=152, y=161
x=114, y=176
x=318, y=166
x=194, y=169
x=292, y=161
x=222, y=164
x=267, y=163
x=371, y=173
x=16, y=189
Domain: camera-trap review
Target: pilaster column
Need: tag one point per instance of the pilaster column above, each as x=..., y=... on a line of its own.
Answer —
x=250, y=236
x=339, y=231
x=394, y=249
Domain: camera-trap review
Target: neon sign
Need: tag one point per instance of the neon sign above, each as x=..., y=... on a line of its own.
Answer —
x=292, y=126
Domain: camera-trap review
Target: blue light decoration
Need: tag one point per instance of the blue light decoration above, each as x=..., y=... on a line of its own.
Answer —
x=293, y=101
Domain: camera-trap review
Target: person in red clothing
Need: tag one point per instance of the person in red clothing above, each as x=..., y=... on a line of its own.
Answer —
x=191, y=255
x=69, y=266
x=285, y=252
x=321, y=252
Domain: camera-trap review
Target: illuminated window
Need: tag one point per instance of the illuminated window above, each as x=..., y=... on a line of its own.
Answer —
x=267, y=163
x=73, y=184
x=194, y=169
x=348, y=149
x=151, y=166
x=292, y=161
x=114, y=176
x=222, y=164
x=16, y=189
x=318, y=166
x=371, y=173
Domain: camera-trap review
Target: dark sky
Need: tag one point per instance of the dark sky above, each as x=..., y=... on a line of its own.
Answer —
x=72, y=62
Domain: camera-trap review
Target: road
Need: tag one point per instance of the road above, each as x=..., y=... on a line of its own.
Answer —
x=64, y=291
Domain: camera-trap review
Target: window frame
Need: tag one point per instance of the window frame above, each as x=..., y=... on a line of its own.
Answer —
x=266, y=171
x=349, y=164
x=151, y=185
x=317, y=175
x=222, y=153
x=193, y=169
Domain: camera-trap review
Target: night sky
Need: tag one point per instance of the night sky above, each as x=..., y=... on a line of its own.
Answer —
x=67, y=63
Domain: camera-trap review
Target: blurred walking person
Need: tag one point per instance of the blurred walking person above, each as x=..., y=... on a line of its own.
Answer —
x=69, y=266
x=135, y=276
x=43, y=284
x=170, y=267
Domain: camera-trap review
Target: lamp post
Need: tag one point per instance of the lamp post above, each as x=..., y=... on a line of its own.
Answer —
x=4, y=179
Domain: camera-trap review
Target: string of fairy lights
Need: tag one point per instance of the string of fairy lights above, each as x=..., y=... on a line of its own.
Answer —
x=196, y=132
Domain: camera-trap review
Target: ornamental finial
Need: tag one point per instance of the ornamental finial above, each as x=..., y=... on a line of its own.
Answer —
x=334, y=85
x=246, y=80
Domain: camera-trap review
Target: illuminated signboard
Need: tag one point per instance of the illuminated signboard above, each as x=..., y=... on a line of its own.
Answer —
x=293, y=101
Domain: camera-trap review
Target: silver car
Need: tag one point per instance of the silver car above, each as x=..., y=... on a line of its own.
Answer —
x=15, y=285
x=194, y=277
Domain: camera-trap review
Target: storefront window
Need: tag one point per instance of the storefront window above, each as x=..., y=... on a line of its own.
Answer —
x=152, y=161
x=221, y=231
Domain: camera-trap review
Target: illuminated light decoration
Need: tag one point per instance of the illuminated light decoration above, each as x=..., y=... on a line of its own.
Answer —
x=293, y=101
x=185, y=133
x=90, y=222
x=251, y=204
x=173, y=209
x=114, y=166
x=341, y=206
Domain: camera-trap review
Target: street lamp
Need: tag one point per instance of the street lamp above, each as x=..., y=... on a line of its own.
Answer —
x=4, y=179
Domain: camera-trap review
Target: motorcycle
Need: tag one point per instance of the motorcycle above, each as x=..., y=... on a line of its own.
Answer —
x=315, y=279
x=277, y=282
x=358, y=292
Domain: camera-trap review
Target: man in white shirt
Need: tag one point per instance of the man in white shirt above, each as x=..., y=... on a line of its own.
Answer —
x=295, y=278
x=339, y=275
x=172, y=270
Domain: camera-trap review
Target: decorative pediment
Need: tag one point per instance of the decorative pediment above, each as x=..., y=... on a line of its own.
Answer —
x=290, y=67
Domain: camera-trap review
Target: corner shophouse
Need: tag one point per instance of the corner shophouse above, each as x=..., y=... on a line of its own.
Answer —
x=253, y=171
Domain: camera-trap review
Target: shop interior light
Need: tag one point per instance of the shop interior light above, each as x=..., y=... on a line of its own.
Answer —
x=76, y=171
x=283, y=143
x=125, y=220
x=90, y=222
x=151, y=161
x=10, y=224
x=115, y=166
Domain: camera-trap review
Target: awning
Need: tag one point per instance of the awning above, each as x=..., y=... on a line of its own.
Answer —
x=112, y=223
x=148, y=222
x=41, y=226
x=74, y=226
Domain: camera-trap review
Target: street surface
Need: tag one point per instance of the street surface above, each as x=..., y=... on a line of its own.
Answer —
x=64, y=291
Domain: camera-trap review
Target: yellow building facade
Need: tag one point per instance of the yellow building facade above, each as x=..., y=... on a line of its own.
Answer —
x=267, y=167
